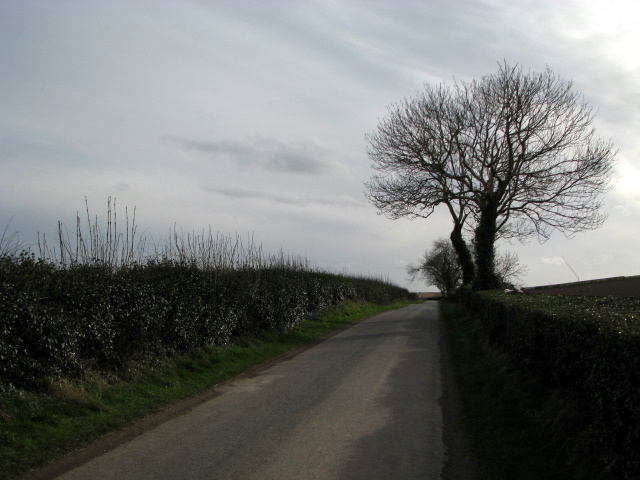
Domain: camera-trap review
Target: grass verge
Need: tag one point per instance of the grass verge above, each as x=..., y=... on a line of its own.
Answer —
x=516, y=428
x=36, y=428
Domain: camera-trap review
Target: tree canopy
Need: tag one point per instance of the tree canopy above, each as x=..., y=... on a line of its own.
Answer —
x=511, y=155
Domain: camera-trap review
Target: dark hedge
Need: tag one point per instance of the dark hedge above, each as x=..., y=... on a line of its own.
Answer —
x=590, y=345
x=60, y=321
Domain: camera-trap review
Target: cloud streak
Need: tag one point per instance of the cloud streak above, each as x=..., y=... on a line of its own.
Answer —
x=285, y=199
x=302, y=157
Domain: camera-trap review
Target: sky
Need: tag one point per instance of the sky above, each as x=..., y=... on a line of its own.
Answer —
x=249, y=117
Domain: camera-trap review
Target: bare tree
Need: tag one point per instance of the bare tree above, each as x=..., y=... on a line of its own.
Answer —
x=438, y=267
x=509, y=269
x=512, y=155
x=414, y=150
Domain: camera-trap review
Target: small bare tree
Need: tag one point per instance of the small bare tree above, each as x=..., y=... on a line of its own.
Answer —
x=509, y=269
x=512, y=155
x=438, y=267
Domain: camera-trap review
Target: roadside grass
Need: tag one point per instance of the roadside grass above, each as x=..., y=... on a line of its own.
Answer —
x=516, y=428
x=36, y=428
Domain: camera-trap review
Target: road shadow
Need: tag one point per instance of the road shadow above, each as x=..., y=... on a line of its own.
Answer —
x=422, y=414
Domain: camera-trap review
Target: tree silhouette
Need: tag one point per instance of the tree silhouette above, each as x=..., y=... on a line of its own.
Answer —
x=512, y=155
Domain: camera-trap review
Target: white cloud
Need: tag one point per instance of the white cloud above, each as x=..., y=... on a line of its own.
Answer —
x=552, y=260
x=628, y=179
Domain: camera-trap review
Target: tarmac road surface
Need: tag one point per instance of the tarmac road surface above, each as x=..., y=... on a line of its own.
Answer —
x=363, y=404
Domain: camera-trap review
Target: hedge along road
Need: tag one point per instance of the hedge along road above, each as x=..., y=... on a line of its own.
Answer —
x=364, y=404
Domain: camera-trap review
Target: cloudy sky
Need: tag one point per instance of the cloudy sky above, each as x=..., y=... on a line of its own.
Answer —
x=250, y=116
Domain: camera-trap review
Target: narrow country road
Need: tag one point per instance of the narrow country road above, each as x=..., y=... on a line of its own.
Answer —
x=364, y=404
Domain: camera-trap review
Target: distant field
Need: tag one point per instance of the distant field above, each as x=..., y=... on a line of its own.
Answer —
x=616, y=287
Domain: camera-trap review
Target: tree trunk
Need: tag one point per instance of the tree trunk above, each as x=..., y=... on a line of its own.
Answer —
x=486, y=278
x=464, y=255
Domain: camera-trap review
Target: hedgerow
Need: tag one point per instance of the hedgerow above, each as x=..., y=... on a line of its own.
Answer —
x=589, y=345
x=111, y=298
x=58, y=322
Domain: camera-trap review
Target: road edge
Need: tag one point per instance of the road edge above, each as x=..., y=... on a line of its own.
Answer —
x=460, y=463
